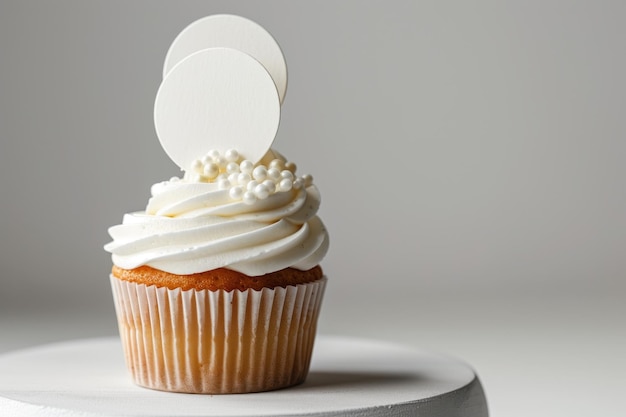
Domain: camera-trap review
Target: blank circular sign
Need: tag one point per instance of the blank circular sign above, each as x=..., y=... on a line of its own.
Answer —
x=229, y=31
x=219, y=99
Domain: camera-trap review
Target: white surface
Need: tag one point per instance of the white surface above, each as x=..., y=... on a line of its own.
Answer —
x=348, y=377
x=220, y=99
x=229, y=31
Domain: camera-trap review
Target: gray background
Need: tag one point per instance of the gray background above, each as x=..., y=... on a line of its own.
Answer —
x=470, y=158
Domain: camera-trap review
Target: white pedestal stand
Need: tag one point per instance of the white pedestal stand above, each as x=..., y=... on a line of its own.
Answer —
x=348, y=377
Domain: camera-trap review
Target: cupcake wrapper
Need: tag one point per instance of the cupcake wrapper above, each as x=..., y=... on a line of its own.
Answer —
x=217, y=342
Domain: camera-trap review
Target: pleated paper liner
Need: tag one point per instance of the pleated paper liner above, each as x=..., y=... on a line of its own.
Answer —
x=217, y=342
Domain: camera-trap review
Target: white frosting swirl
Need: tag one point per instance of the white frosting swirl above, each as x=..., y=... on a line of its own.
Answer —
x=190, y=227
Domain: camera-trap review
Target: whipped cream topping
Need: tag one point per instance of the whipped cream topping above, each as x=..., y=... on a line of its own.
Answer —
x=252, y=219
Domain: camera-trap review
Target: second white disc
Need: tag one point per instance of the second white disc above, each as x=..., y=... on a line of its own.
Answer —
x=230, y=31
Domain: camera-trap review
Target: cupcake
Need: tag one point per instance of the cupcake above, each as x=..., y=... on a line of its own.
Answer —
x=217, y=283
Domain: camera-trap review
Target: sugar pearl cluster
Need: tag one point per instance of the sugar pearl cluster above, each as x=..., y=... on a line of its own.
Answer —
x=244, y=180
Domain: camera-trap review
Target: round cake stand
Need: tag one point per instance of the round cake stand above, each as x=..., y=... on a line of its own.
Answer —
x=348, y=377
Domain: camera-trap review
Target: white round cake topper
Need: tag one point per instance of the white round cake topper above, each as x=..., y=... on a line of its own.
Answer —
x=217, y=98
x=229, y=31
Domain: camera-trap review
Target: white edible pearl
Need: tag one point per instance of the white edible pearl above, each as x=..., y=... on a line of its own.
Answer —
x=259, y=173
x=285, y=184
x=298, y=183
x=252, y=185
x=246, y=166
x=174, y=179
x=211, y=170
x=232, y=155
x=278, y=164
x=273, y=173
x=249, y=197
x=243, y=178
x=197, y=166
x=206, y=159
x=308, y=180
x=236, y=192
x=291, y=167
x=261, y=191
x=233, y=178
x=220, y=161
x=223, y=184
x=287, y=174
x=271, y=186
x=213, y=153
x=232, y=167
